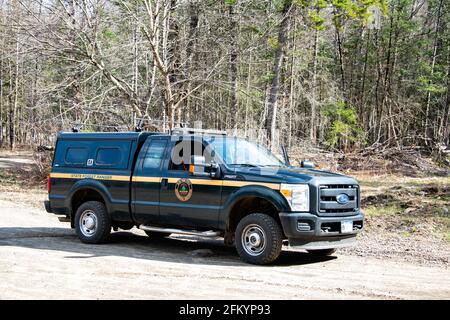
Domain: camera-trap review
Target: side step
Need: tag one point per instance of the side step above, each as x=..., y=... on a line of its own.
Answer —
x=207, y=234
x=64, y=219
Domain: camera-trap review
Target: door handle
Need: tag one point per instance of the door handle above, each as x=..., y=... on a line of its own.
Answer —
x=164, y=183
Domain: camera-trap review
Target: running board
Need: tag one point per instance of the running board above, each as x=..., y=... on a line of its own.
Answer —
x=207, y=234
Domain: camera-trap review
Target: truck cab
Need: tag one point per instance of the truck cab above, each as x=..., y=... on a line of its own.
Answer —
x=204, y=184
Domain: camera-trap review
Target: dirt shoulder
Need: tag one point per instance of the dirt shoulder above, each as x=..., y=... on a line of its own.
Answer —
x=407, y=219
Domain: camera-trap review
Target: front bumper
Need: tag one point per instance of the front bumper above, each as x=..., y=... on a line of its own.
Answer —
x=309, y=231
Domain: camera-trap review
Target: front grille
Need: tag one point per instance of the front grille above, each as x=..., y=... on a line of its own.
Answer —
x=328, y=204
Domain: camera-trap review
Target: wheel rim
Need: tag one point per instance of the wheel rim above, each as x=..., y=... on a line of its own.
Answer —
x=88, y=223
x=253, y=239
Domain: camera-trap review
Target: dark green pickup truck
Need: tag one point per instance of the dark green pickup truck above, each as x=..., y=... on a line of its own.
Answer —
x=205, y=184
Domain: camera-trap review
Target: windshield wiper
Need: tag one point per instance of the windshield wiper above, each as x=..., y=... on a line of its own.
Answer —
x=256, y=165
x=270, y=165
x=273, y=166
x=243, y=164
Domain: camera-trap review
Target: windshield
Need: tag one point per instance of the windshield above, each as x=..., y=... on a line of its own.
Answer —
x=240, y=152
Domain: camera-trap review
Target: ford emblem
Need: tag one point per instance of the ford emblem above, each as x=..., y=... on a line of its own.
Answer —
x=342, y=198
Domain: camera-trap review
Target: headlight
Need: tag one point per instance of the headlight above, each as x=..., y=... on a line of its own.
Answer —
x=297, y=195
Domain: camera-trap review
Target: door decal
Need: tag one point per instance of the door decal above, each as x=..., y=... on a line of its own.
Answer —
x=183, y=189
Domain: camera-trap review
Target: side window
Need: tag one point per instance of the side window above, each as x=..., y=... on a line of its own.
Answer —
x=154, y=155
x=76, y=156
x=108, y=157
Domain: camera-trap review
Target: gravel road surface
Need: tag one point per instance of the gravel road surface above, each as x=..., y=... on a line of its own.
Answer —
x=41, y=258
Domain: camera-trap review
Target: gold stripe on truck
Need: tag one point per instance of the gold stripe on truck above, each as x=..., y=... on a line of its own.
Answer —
x=89, y=176
x=225, y=183
x=146, y=179
x=206, y=182
x=228, y=183
x=231, y=183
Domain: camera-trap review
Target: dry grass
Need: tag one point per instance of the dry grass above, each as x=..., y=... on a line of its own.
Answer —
x=407, y=205
x=23, y=169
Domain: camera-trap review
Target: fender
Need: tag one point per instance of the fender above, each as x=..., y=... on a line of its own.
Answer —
x=271, y=195
x=89, y=184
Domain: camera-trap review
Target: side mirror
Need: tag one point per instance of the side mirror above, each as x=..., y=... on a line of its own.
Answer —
x=307, y=164
x=197, y=167
x=215, y=170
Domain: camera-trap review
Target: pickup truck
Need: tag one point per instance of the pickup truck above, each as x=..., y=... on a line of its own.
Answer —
x=203, y=184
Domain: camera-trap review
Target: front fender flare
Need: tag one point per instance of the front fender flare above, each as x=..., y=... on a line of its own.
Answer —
x=271, y=195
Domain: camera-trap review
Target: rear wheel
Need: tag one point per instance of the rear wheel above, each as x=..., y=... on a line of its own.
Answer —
x=157, y=235
x=92, y=222
x=258, y=239
x=322, y=252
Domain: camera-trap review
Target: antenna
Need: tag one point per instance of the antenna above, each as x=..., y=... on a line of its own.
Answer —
x=77, y=127
x=138, y=127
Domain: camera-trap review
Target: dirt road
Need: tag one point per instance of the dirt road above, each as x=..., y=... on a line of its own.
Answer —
x=41, y=258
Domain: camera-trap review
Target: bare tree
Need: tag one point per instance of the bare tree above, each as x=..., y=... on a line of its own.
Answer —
x=271, y=121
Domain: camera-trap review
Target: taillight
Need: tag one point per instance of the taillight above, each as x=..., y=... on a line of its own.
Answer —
x=48, y=184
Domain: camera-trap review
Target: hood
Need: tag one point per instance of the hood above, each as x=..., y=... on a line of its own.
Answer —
x=290, y=175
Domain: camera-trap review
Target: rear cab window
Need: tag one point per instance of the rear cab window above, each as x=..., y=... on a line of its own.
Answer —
x=154, y=155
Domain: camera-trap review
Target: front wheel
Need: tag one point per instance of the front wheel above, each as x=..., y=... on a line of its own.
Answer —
x=258, y=239
x=92, y=222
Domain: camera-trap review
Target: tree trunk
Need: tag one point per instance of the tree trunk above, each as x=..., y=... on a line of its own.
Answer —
x=190, y=57
x=445, y=118
x=1, y=84
x=341, y=61
x=363, y=87
x=378, y=112
x=11, y=122
x=385, y=102
x=247, y=99
x=271, y=119
x=1, y=102
x=313, y=127
x=233, y=65
x=433, y=63
x=291, y=87
x=174, y=63
x=16, y=88
x=135, y=69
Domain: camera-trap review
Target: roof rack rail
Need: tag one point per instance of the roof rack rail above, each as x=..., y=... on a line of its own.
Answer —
x=163, y=124
x=186, y=131
x=77, y=127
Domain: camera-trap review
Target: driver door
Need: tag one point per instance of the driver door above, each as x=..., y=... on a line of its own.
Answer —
x=186, y=200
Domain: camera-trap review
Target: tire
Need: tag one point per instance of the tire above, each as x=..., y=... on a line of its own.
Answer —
x=92, y=222
x=157, y=235
x=322, y=252
x=258, y=239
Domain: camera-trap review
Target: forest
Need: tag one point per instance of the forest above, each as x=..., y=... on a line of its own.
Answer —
x=337, y=74
x=359, y=88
